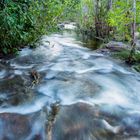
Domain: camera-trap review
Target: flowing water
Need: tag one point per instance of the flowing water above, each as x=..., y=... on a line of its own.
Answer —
x=80, y=94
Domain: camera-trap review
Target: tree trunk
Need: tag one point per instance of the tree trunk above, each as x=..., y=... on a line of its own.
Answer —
x=97, y=18
x=133, y=42
x=110, y=2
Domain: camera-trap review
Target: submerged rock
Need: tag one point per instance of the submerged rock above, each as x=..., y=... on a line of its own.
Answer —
x=15, y=90
x=22, y=127
x=96, y=97
x=82, y=121
x=61, y=26
x=14, y=126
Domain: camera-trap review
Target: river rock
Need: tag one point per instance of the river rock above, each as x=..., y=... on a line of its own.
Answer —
x=14, y=126
x=15, y=90
x=60, y=26
x=22, y=127
x=117, y=46
x=81, y=122
x=95, y=94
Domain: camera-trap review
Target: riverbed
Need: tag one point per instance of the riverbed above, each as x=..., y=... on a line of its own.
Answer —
x=96, y=97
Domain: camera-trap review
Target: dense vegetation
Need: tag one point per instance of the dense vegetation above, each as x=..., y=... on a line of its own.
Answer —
x=24, y=21
x=115, y=16
x=117, y=20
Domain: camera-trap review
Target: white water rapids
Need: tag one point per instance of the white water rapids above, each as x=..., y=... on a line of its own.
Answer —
x=99, y=97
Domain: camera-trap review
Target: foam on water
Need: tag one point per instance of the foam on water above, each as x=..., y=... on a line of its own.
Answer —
x=28, y=108
x=62, y=54
x=68, y=56
x=70, y=26
x=72, y=74
x=2, y=74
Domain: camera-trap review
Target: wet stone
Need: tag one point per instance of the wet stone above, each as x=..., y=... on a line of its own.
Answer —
x=79, y=121
x=29, y=59
x=117, y=46
x=98, y=97
x=15, y=90
x=82, y=121
x=22, y=127
x=14, y=126
x=67, y=88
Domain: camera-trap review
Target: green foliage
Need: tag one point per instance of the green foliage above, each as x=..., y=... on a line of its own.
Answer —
x=86, y=13
x=121, y=18
x=138, y=11
x=117, y=20
x=137, y=67
x=69, y=10
x=93, y=17
x=24, y=21
x=17, y=24
x=124, y=55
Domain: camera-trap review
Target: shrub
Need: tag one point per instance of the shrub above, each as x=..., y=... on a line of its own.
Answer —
x=22, y=22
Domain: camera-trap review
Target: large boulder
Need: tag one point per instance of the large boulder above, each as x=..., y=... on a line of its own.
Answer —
x=117, y=46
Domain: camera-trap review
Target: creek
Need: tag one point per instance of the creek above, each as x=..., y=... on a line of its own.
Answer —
x=80, y=94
